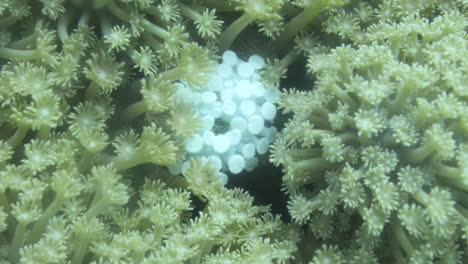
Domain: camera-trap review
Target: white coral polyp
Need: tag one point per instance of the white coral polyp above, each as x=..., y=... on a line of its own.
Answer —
x=243, y=111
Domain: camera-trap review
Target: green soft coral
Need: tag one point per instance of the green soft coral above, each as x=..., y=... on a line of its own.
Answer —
x=374, y=154
x=393, y=124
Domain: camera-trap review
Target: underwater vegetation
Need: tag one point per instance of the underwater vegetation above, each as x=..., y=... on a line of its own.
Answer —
x=132, y=131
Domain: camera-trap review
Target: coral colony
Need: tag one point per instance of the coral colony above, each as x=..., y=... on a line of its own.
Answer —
x=142, y=131
x=237, y=111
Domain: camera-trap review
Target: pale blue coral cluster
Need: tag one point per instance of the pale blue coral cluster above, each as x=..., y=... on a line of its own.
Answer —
x=237, y=111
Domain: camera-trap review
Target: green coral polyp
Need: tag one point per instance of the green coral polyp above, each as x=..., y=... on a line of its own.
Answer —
x=404, y=130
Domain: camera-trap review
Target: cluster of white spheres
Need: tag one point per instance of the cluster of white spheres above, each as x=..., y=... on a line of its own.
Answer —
x=237, y=111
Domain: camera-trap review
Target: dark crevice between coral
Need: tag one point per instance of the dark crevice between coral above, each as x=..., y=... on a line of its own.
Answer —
x=264, y=183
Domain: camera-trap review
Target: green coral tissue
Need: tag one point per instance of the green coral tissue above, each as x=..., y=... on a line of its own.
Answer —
x=371, y=154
